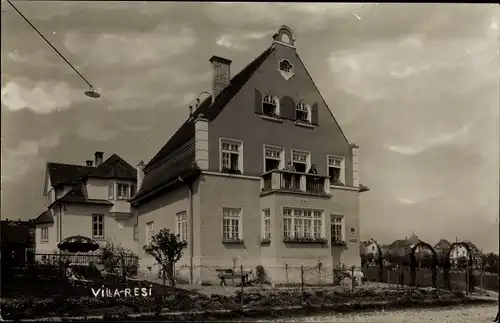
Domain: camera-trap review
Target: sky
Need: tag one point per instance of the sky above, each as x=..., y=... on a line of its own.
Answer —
x=416, y=86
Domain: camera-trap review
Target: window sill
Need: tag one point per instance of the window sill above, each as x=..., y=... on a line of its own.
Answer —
x=265, y=241
x=304, y=240
x=273, y=119
x=99, y=238
x=231, y=171
x=338, y=243
x=232, y=241
x=304, y=124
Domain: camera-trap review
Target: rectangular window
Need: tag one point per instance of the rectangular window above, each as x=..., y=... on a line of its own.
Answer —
x=336, y=169
x=266, y=224
x=111, y=191
x=337, y=228
x=231, y=224
x=301, y=160
x=274, y=158
x=302, y=112
x=302, y=223
x=133, y=190
x=182, y=226
x=136, y=233
x=97, y=226
x=231, y=156
x=150, y=232
x=122, y=191
x=44, y=234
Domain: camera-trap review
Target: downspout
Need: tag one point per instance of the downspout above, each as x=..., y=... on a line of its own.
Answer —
x=191, y=229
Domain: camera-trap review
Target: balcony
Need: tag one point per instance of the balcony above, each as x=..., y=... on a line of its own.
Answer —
x=294, y=182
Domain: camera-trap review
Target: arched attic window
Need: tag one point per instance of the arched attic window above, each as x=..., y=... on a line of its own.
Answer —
x=286, y=66
x=270, y=106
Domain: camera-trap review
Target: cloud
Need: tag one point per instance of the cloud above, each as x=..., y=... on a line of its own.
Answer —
x=40, y=97
x=131, y=49
x=135, y=128
x=95, y=132
x=240, y=42
x=441, y=139
x=25, y=157
x=406, y=200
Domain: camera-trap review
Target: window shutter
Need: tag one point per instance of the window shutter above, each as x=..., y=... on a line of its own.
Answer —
x=314, y=114
x=258, y=102
x=287, y=108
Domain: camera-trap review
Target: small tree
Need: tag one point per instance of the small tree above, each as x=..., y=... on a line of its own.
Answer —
x=166, y=249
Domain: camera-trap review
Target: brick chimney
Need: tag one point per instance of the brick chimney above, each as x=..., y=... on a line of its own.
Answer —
x=221, y=75
x=89, y=162
x=140, y=174
x=98, y=158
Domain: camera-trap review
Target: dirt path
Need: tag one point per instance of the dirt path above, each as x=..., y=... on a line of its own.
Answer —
x=478, y=314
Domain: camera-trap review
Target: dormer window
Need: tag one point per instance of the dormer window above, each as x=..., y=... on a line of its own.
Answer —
x=303, y=113
x=270, y=106
x=285, y=66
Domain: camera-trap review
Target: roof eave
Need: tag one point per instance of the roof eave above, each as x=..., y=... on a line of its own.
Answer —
x=189, y=175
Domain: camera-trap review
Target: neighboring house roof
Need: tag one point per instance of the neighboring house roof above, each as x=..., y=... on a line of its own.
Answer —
x=442, y=244
x=177, y=157
x=113, y=167
x=44, y=218
x=66, y=173
x=401, y=243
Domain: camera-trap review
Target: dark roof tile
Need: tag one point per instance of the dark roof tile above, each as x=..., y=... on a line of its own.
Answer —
x=178, y=164
x=44, y=217
x=113, y=167
x=66, y=173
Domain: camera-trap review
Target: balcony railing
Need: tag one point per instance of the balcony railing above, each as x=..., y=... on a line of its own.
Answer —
x=290, y=181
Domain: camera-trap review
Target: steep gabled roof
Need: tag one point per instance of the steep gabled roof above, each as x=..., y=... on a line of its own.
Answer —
x=210, y=110
x=66, y=173
x=400, y=243
x=177, y=156
x=442, y=244
x=113, y=167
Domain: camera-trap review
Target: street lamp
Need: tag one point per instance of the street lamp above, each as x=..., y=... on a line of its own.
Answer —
x=90, y=93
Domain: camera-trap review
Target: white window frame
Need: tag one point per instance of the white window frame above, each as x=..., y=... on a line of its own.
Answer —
x=182, y=225
x=285, y=74
x=127, y=196
x=308, y=158
x=276, y=102
x=150, y=231
x=276, y=148
x=240, y=152
x=44, y=234
x=281, y=61
x=95, y=220
x=342, y=226
x=230, y=216
x=342, y=167
x=111, y=191
x=306, y=107
x=297, y=217
x=266, y=224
